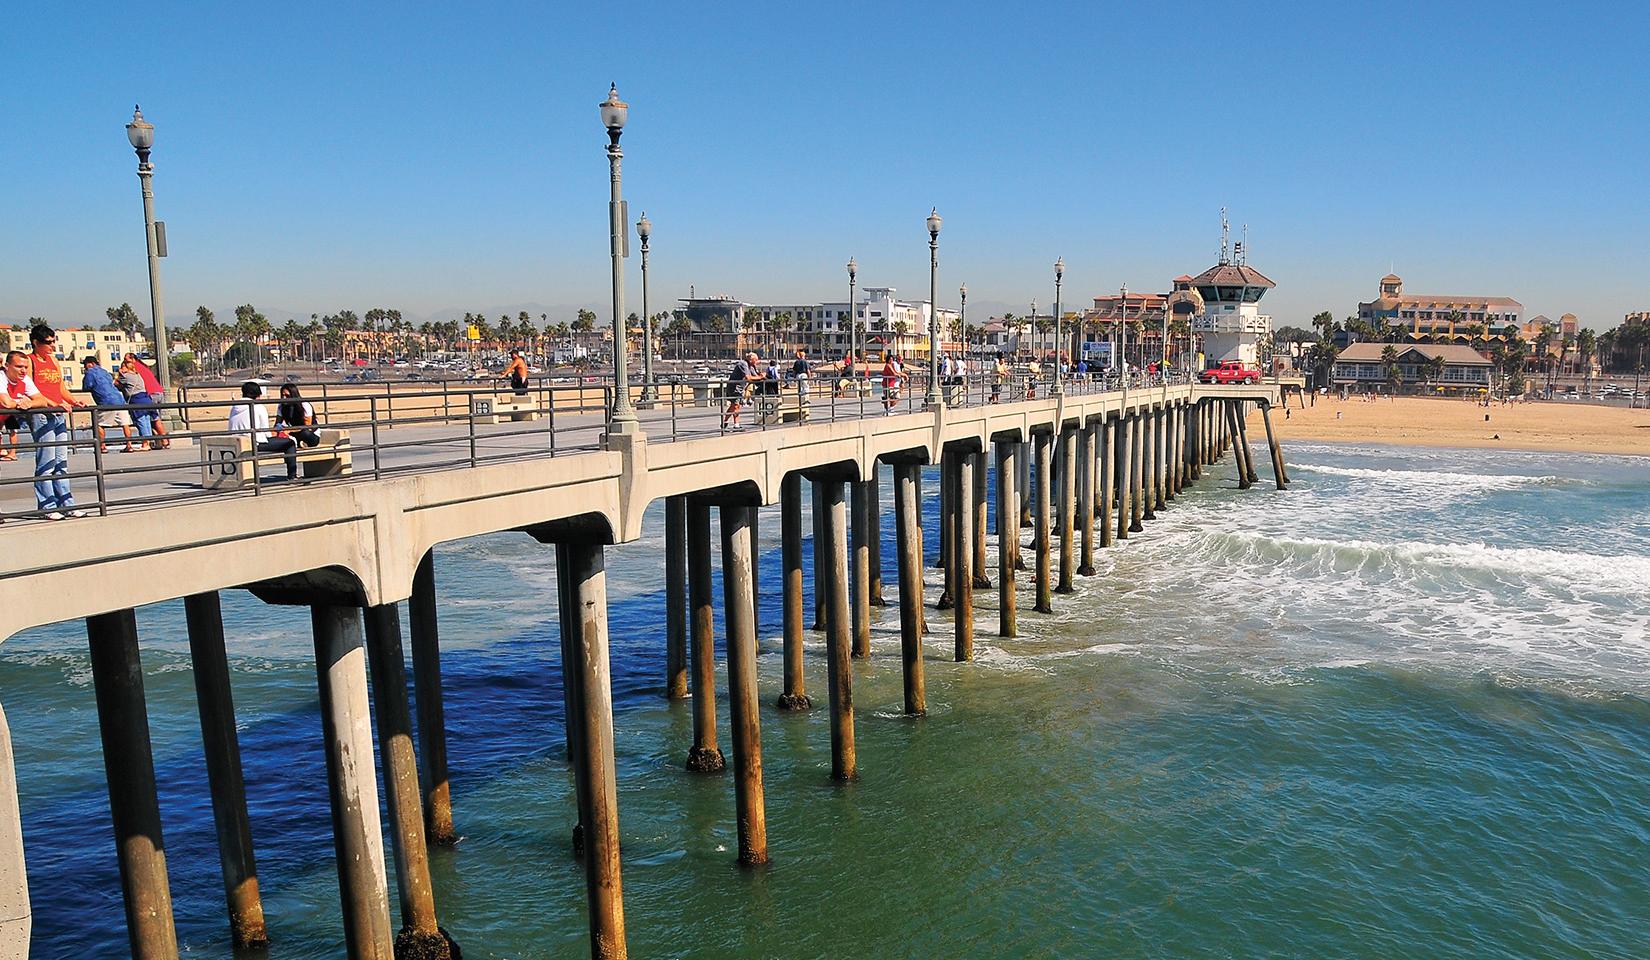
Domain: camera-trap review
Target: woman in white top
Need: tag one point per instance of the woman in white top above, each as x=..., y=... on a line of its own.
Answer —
x=251, y=417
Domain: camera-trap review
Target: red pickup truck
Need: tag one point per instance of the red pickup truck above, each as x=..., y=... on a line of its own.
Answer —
x=1231, y=371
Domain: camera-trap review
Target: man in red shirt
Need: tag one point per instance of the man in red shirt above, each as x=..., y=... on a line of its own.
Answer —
x=151, y=386
x=51, y=429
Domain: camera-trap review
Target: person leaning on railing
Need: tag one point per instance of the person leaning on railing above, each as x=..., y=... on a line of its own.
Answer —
x=137, y=396
x=50, y=429
x=101, y=386
x=151, y=386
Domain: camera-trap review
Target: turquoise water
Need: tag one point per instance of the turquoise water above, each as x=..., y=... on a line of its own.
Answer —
x=1401, y=710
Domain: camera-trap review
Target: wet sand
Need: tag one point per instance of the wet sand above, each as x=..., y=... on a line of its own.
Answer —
x=1556, y=425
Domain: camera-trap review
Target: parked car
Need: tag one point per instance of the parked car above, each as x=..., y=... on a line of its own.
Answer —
x=1230, y=371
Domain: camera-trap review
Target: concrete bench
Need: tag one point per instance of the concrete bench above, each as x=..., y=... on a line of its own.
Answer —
x=786, y=408
x=227, y=462
x=502, y=407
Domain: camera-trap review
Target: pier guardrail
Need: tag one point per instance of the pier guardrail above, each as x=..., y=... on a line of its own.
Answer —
x=448, y=428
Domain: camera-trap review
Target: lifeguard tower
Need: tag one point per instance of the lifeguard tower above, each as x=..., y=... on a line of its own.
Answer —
x=1231, y=324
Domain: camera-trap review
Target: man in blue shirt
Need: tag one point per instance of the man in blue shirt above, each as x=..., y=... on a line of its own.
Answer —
x=101, y=385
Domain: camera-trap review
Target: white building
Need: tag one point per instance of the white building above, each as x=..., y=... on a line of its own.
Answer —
x=1231, y=324
x=885, y=323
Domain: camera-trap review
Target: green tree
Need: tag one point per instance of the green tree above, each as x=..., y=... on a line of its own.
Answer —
x=1586, y=346
x=124, y=319
x=1389, y=365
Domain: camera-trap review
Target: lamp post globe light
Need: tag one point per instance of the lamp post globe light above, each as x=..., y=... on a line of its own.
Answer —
x=1059, y=333
x=141, y=134
x=614, y=114
x=650, y=392
x=853, y=312
x=933, y=399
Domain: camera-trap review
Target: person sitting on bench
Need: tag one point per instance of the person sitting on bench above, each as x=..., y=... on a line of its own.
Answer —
x=251, y=418
x=296, y=416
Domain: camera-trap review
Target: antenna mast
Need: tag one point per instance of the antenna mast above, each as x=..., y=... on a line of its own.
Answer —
x=1225, y=236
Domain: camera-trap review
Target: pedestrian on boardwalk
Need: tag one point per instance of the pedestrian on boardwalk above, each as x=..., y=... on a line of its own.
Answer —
x=745, y=372
x=845, y=376
x=999, y=374
x=516, y=373
x=101, y=386
x=893, y=371
x=50, y=430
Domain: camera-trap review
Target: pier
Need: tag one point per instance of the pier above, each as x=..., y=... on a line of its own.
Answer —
x=1086, y=468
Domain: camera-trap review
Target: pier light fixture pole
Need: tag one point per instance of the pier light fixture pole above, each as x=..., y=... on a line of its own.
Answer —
x=614, y=114
x=962, y=321
x=853, y=312
x=141, y=133
x=1059, y=328
x=650, y=392
x=933, y=399
x=1123, y=338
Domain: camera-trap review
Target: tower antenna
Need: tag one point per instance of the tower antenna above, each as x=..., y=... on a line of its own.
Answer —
x=1225, y=237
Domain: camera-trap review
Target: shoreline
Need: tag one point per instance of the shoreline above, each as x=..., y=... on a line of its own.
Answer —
x=1553, y=426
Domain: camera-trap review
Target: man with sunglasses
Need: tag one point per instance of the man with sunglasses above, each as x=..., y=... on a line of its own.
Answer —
x=51, y=429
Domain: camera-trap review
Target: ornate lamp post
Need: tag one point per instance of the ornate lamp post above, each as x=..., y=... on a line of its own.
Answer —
x=853, y=312
x=1059, y=331
x=962, y=321
x=650, y=392
x=1123, y=338
x=141, y=133
x=614, y=113
x=933, y=399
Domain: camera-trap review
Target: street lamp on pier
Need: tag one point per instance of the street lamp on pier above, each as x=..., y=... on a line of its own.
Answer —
x=1059, y=328
x=933, y=399
x=962, y=320
x=853, y=312
x=1123, y=337
x=650, y=392
x=623, y=414
x=141, y=133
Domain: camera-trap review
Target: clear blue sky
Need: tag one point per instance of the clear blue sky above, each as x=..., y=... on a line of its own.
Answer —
x=312, y=157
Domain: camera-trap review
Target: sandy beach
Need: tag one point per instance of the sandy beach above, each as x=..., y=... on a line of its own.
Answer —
x=1418, y=421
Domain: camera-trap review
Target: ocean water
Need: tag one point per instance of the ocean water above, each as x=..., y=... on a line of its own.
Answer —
x=1400, y=710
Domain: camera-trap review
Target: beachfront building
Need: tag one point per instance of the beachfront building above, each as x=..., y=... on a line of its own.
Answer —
x=1420, y=367
x=1142, y=313
x=1231, y=325
x=722, y=325
x=1436, y=318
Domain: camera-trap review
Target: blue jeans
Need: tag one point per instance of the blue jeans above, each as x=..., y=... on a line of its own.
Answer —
x=145, y=418
x=51, y=463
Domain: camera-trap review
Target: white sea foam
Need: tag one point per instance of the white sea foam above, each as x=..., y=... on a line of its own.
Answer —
x=1464, y=483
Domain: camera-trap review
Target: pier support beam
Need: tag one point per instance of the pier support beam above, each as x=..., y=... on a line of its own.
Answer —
x=432, y=712
x=948, y=529
x=1241, y=438
x=704, y=756
x=222, y=748
x=909, y=536
x=982, y=576
x=357, y=832
x=873, y=534
x=594, y=771
x=1024, y=459
x=1123, y=456
x=860, y=569
x=1160, y=456
x=794, y=696
x=1279, y=475
x=1067, y=490
x=123, y=720
x=817, y=514
x=844, y=764
x=1085, y=496
x=1148, y=459
x=15, y=916
x=1106, y=490
x=420, y=935
x=962, y=555
x=1008, y=535
x=1137, y=471
x=738, y=593
x=1232, y=420
x=1045, y=596
x=676, y=576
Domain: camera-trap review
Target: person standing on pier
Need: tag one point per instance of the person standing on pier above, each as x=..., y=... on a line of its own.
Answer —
x=744, y=373
x=51, y=430
x=892, y=372
x=101, y=386
x=151, y=386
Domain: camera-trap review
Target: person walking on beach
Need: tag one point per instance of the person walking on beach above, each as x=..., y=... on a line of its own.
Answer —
x=101, y=386
x=50, y=431
x=249, y=418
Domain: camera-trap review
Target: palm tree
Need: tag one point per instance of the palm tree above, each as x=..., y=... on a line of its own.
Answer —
x=1435, y=369
x=1543, y=343
x=1389, y=362
x=1586, y=345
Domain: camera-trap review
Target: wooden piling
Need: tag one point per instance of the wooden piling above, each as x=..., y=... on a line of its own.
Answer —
x=818, y=517
x=1242, y=432
x=1279, y=475
x=129, y=766
x=704, y=756
x=982, y=576
x=1160, y=456
x=1148, y=457
x=859, y=569
x=1024, y=459
x=1124, y=458
x=420, y=936
x=837, y=640
x=744, y=717
x=1085, y=496
x=948, y=529
x=596, y=778
x=1237, y=453
x=567, y=614
x=1041, y=443
x=1066, y=489
x=1106, y=467
x=357, y=832
x=873, y=535
x=909, y=558
x=1008, y=535
x=962, y=556
x=794, y=696
x=222, y=748
x=1137, y=471
x=432, y=711
x=676, y=628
